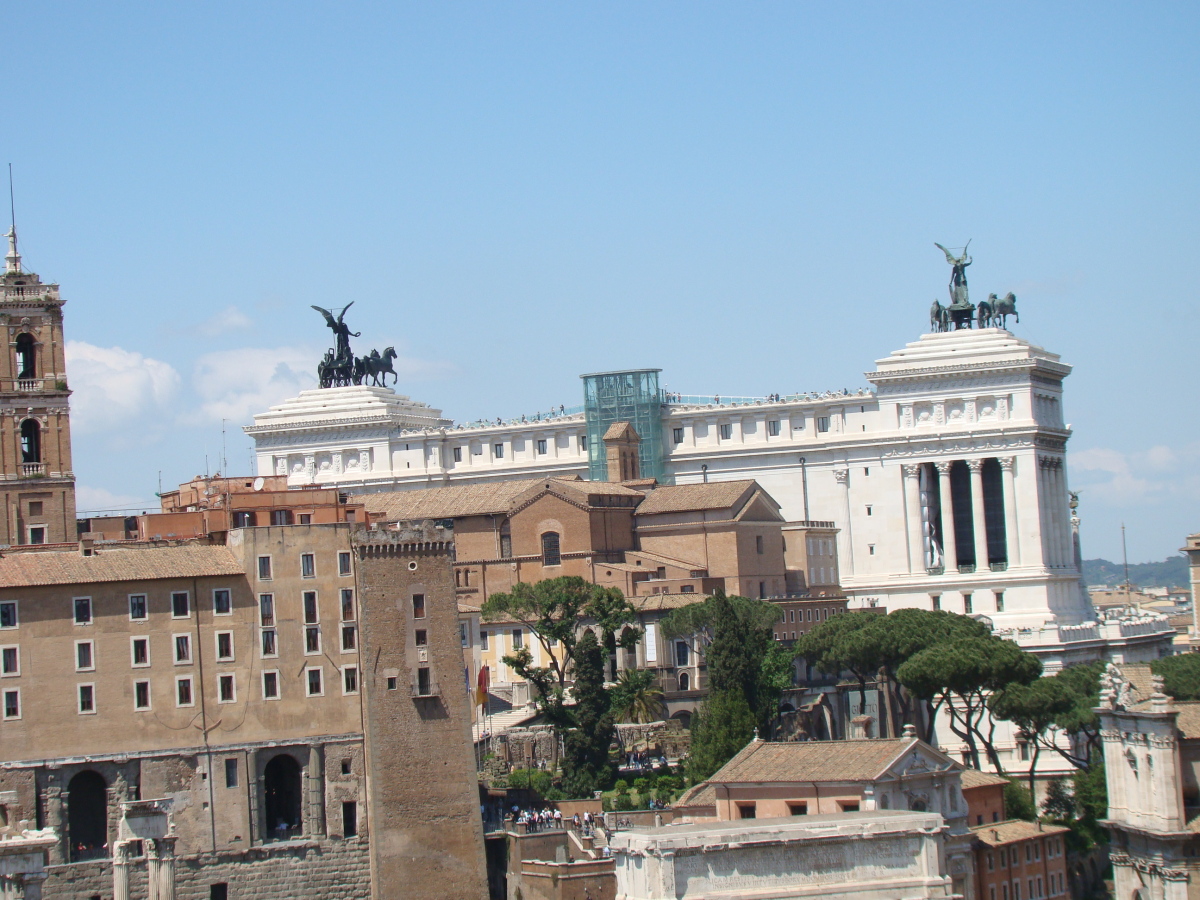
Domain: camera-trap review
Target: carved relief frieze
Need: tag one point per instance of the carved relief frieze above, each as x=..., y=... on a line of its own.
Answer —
x=935, y=448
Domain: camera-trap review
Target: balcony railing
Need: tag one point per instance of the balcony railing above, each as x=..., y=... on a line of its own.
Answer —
x=967, y=569
x=33, y=470
x=999, y=566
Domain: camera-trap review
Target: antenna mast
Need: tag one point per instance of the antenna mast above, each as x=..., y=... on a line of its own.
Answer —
x=1125, y=557
x=12, y=262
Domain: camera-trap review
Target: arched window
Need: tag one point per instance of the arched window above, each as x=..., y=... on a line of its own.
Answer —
x=282, y=790
x=31, y=441
x=685, y=683
x=550, y=549
x=87, y=816
x=26, y=356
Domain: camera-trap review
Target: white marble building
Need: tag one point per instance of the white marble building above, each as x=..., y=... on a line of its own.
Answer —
x=865, y=856
x=964, y=427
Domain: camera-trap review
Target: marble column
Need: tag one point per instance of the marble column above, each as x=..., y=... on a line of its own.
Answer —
x=846, y=547
x=153, y=849
x=316, y=791
x=163, y=875
x=949, y=546
x=912, y=515
x=1012, y=531
x=120, y=867
x=978, y=516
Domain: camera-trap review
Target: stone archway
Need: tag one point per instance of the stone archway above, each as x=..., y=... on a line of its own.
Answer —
x=283, y=793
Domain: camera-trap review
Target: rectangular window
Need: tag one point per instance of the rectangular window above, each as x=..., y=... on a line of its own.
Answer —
x=141, y=695
x=37, y=535
x=463, y=634
x=350, y=680
x=483, y=640
x=222, y=603
x=226, y=692
x=308, y=566
x=936, y=600
x=349, y=638
x=85, y=660
x=87, y=699
x=458, y=454
x=747, y=810
x=870, y=510
x=312, y=640
x=541, y=448
x=758, y=544
x=773, y=428
x=264, y=568
x=313, y=683
x=183, y=692
x=849, y=805
x=10, y=660
x=270, y=685
x=424, y=684
x=518, y=638
x=306, y=518
x=137, y=607
x=344, y=563
x=583, y=443
x=83, y=610
x=180, y=607
x=551, y=549
x=8, y=614
x=224, y=645
x=726, y=431
x=677, y=435
x=393, y=683
x=231, y=773
x=349, y=818
x=822, y=424
x=999, y=601
x=418, y=606
x=797, y=809
x=498, y=451
x=139, y=651
x=35, y=507
x=266, y=610
x=348, y=605
x=12, y=703
x=270, y=646
x=421, y=637
x=311, y=611
x=183, y=648
x=682, y=653
x=968, y=606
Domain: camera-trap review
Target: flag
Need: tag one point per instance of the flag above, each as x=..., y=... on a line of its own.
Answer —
x=481, y=690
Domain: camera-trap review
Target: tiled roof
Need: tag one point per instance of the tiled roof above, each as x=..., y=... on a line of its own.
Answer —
x=973, y=778
x=653, y=602
x=1013, y=830
x=1188, y=720
x=467, y=608
x=703, y=794
x=492, y=498
x=447, y=502
x=694, y=497
x=1139, y=676
x=618, y=430
x=140, y=564
x=782, y=761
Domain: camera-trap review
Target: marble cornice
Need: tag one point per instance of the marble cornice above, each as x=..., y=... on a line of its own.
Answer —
x=925, y=372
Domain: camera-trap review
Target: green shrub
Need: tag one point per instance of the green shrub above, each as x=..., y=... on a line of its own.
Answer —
x=623, y=802
x=641, y=785
x=620, y=785
x=540, y=781
x=518, y=779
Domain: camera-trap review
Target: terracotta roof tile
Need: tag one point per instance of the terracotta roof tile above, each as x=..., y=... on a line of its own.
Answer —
x=492, y=498
x=27, y=569
x=652, y=602
x=694, y=497
x=771, y=761
x=973, y=778
x=1011, y=830
x=1188, y=720
x=703, y=794
x=618, y=430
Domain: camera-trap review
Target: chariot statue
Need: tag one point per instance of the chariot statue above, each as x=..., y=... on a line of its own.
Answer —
x=962, y=313
x=341, y=368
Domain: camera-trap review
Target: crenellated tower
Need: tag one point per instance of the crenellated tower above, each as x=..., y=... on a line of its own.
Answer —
x=36, y=475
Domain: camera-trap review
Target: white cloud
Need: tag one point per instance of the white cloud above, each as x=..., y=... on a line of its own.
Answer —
x=94, y=499
x=228, y=320
x=1136, y=478
x=116, y=389
x=236, y=384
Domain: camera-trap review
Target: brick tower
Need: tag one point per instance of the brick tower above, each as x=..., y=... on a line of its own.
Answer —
x=35, y=426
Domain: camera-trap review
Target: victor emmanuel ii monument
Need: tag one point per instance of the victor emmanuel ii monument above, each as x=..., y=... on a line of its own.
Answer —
x=947, y=479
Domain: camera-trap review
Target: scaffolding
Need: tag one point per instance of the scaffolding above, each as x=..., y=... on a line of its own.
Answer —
x=632, y=396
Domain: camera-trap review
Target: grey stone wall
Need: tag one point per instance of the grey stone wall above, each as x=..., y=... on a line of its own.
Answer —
x=329, y=870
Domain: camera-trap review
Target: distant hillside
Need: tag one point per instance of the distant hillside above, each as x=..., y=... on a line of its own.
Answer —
x=1171, y=572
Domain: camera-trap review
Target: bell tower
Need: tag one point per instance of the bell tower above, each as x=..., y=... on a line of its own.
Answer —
x=36, y=477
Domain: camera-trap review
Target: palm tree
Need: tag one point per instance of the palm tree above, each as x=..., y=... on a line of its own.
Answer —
x=636, y=698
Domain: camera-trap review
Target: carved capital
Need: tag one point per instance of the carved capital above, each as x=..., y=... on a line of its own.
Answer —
x=841, y=475
x=1007, y=463
x=912, y=470
x=975, y=465
x=943, y=469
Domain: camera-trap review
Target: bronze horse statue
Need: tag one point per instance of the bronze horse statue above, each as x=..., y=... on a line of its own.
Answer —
x=994, y=311
x=376, y=367
x=939, y=317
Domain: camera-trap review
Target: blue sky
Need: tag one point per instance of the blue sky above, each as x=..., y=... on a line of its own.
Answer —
x=744, y=195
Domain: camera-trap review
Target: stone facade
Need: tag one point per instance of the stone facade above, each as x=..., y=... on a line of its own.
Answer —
x=36, y=475
x=426, y=829
x=874, y=856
